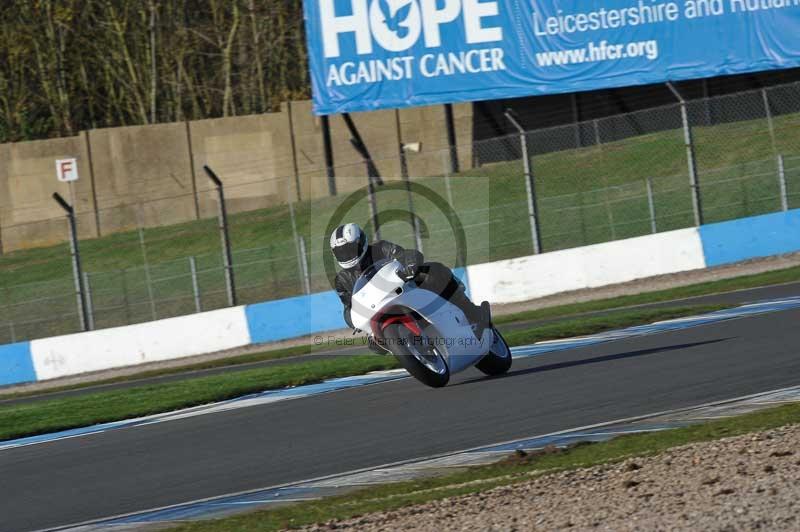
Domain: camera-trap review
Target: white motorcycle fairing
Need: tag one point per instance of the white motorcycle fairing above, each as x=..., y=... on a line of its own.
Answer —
x=381, y=295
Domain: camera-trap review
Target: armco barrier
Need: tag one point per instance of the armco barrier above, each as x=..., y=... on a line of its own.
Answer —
x=16, y=364
x=138, y=344
x=498, y=282
x=297, y=316
x=525, y=278
x=749, y=238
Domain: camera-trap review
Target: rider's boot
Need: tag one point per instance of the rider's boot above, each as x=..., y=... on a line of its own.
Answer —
x=376, y=347
x=484, y=321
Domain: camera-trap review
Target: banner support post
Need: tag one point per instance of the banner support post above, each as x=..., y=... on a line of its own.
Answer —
x=328, y=149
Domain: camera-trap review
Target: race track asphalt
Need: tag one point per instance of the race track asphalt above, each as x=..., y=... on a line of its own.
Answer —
x=121, y=471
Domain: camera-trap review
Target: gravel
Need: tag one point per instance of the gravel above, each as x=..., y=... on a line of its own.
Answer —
x=749, y=482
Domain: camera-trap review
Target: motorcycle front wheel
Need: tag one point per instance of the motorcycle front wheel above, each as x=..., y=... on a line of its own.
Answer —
x=419, y=355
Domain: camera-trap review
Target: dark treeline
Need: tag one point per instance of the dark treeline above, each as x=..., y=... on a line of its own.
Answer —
x=69, y=65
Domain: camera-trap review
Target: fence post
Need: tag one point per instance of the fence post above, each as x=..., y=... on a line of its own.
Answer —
x=404, y=173
x=227, y=258
x=530, y=184
x=304, y=267
x=414, y=221
x=147, y=279
x=596, y=132
x=198, y=307
x=782, y=182
x=697, y=204
x=446, y=173
x=295, y=237
x=576, y=123
x=651, y=204
x=582, y=211
x=125, y=298
x=770, y=123
x=373, y=208
x=609, y=213
x=77, y=271
x=89, y=302
x=373, y=175
x=11, y=330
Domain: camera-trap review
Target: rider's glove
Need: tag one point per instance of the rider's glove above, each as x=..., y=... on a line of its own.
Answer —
x=409, y=271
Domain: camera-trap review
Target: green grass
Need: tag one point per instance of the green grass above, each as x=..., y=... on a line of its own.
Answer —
x=478, y=479
x=83, y=410
x=576, y=205
x=233, y=361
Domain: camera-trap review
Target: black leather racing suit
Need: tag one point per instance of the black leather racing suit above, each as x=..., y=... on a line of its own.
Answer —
x=432, y=276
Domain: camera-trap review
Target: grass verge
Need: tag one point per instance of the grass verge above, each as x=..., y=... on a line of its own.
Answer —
x=394, y=496
x=89, y=409
x=232, y=361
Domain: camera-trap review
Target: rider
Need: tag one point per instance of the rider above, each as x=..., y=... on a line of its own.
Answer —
x=354, y=254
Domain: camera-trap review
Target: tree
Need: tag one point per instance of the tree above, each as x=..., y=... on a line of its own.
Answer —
x=69, y=65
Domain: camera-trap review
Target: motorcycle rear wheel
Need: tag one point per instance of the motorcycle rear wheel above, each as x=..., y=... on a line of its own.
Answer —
x=418, y=355
x=498, y=360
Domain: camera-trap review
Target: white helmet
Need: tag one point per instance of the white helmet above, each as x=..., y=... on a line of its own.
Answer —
x=349, y=245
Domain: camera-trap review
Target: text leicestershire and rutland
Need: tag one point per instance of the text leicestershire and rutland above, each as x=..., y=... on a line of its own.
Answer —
x=642, y=14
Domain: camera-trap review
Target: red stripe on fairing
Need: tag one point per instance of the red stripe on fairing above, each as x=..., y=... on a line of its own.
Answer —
x=409, y=322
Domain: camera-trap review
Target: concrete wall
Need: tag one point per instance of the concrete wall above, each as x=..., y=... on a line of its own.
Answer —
x=379, y=131
x=426, y=126
x=153, y=175
x=142, y=176
x=309, y=151
x=423, y=125
x=28, y=215
x=252, y=154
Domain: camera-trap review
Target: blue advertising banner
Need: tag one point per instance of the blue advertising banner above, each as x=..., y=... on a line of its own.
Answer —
x=373, y=54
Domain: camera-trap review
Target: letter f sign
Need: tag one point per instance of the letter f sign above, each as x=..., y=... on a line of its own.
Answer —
x=67, y=170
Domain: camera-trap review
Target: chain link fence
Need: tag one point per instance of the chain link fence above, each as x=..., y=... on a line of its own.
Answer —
x=590, y=182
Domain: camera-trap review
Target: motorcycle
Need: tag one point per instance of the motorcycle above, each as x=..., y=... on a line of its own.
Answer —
x=430, y=337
